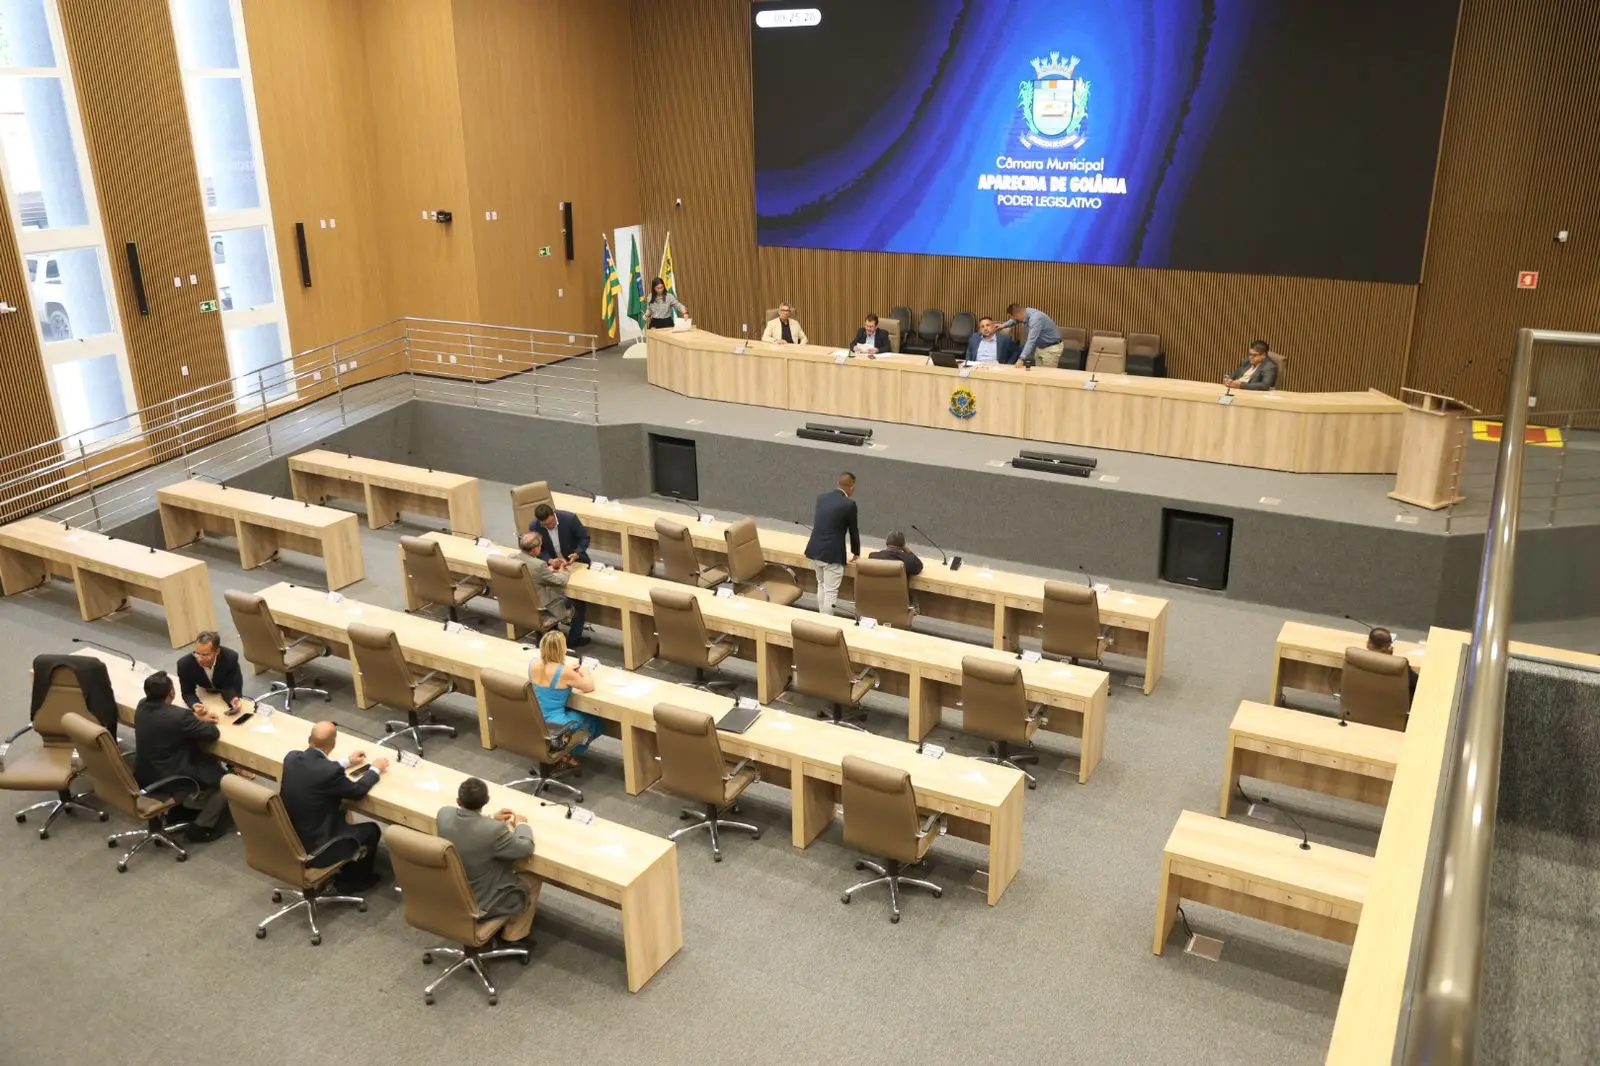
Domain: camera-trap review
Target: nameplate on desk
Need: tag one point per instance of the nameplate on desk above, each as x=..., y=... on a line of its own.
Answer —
x=745, y=703
x=738, y=349
x=589, y=662
x=932, y=751
x=599, y=568
x=485, y=542
x=602, y=499
x=1090, y=385
x=724, y=592
x=582, y=815
x=409, y=758
x=867, y=623
x=1226, y=399
x=264, y=712
x=841, y=357
x=706, y=518
x=1030, y=656
x=454, y=627
x=335, y=597
x=1101, y=588
x=964, y=372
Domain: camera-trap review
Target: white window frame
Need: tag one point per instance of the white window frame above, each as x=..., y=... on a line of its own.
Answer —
x=260, y=217
x=44, y=243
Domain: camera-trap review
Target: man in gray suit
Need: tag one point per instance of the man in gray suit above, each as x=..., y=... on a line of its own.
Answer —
x=550, y=578
x=489, y=849
x=1257, y=373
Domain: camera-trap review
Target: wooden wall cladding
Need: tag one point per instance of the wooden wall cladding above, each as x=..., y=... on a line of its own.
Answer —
x=125, y=64
x=27, y=419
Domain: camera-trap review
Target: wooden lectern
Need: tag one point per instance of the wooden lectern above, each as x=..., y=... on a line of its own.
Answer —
x=1435, y=435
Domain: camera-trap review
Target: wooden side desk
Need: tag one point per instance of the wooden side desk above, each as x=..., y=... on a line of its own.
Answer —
x=263, y=525
x=1309, y=751
x=1260, y=874
x=1003, y=604
x=925, y=669
x=1312, y=658
x=387, y=488
x=635, y=872
x=107, y=573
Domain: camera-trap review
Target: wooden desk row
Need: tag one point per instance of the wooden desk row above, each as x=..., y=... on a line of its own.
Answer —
x=1007, y=605
x=635, y=872
x=983, y=801
x=925, y=669
x=1310, y=751
x=263, y=525
x=387, y=488
x=107, y=573
x=1311, y=658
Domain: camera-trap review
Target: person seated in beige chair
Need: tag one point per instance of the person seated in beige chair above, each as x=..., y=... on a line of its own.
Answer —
x=784, y=329
x=1257, y=372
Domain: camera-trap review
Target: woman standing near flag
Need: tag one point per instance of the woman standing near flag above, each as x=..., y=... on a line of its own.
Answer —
x=662, y=303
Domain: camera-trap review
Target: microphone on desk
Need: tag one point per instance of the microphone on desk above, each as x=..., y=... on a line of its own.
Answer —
x=1086, y=575
x=209, y=477
x=698, y=514
x=943, y=558
x=106, y=647
x=1250, y=812
x=579, y=488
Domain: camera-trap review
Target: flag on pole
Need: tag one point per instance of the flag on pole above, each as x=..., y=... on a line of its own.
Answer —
x=610, y=288
x=636, y=288
x=667, y=273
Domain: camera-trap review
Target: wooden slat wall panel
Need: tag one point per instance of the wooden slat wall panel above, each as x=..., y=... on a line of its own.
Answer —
x=539, y=116
x=1521, y=161
x=125, y=63
x=27, y=419
x=314, y=106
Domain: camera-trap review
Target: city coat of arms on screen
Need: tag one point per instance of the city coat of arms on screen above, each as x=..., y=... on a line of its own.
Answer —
x=1055, y=104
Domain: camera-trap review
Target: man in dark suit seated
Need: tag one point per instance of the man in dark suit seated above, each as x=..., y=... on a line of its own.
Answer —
x=991, y=344
x=1380, y=639
x=1257, y=373
x=894, y=547
x=565, y=537
x=870, y=340
x=170, y=742
x=210, y=668
x=313, y=787
x=835, y=517
x=489, y=849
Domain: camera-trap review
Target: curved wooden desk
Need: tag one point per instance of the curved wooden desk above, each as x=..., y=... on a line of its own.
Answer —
x=1323, y=433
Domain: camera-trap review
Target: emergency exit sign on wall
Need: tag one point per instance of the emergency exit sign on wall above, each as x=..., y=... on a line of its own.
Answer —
x=1528, y=279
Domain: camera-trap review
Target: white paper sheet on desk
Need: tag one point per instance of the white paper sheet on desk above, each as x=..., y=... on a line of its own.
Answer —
x=263, y=727
x=633, y=687
x=427, y=784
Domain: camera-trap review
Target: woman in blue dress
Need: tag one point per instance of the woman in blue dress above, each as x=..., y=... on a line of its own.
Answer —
x=553, y=682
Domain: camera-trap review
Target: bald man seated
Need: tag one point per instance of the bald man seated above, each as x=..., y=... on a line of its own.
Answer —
x=313, y=789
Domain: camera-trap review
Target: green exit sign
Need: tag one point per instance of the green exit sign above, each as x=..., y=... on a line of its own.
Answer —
x=544, y=250
x=207, y=305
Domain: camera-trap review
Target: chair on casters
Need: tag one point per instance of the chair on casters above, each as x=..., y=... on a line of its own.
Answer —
x=822, y=670
x=272, y=847
x=692, y=766
x=430, y=582
x=1376, y=689
x=1071, y=628
x=265, y=648
x=902, y=314
x=49, y=769
x=883, y=592
x=438, y=900
x=386, y=678
x=114, y=783
x=925, y=341
x=963, y=324
x=750, y=572
x=521, y=609
x=682, y=637
x=525, y=499
x=517, y=724
x=880, y=819
x=994, y=704
x=679, y=560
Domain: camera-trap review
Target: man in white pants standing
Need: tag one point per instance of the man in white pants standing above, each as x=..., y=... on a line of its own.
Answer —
x=834, y=517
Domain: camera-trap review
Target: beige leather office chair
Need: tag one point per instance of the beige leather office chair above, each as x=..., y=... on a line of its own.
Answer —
x=891, y=326
x=679, y=560
x=439, y=900
x=880, y=819
x=1376, y=689
x=682, y=637
x=1074, y=346
x=272, y=847
x=883, y=592
x=1071, y=628
x=50, y=768
x=1281, y=361
x=1107, y=354
x=386, y=678
x=692, y=766
x=114, y=783
x=994, y=704
x=525, y=499
x=263, y=645
x=517, y=724
x=511, y=584
x=430, y=581
x=822, y=669
x=752, y=575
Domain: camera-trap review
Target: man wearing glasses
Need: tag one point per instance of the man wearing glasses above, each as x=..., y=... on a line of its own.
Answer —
x=784, y=329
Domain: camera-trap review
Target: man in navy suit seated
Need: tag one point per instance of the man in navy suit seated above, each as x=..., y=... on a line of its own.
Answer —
x=991, y=344
x=563, y=540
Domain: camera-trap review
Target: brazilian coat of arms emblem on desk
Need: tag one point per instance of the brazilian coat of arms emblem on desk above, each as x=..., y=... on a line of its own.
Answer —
x=963, y=404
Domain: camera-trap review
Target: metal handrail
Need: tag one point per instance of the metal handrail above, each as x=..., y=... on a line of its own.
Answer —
x=1447, y=982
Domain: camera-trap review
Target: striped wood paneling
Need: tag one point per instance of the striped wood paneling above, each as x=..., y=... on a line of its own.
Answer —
x=26, y=416
x=125, y=62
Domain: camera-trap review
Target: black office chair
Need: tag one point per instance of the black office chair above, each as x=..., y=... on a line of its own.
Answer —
x=903, y=316
x=962, y=327
x=925, y=341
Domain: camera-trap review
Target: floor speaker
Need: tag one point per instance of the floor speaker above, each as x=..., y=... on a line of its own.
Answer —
x=674, y=471
x=1195, y=549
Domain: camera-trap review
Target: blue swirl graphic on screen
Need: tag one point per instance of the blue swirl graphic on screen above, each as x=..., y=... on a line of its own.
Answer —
x=1019, y=129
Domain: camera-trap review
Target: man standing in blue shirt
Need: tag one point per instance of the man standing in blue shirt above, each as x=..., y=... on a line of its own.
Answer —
x=1043, y=345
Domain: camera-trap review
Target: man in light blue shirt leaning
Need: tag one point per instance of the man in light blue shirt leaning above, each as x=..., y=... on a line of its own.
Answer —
x=1043, y=345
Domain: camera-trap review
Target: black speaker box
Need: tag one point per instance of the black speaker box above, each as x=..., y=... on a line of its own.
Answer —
x=1195, y=549
x=674, y=470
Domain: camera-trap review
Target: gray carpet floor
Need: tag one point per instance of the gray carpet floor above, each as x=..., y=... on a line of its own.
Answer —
x=160, y=964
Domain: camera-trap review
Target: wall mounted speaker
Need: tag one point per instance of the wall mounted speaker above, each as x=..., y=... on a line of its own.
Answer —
x=566, y=228
x=138, y=278
x=674, y=469
x=305, y=256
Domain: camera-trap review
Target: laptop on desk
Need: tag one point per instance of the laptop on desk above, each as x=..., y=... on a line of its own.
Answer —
x=948, y=360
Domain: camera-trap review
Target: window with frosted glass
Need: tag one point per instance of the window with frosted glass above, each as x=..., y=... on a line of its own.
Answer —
x=243, y=268
x=90, y=399
x=41, y=161
x=222, y=144
x=69, y=295
x=205, y=34
x=258, y=362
